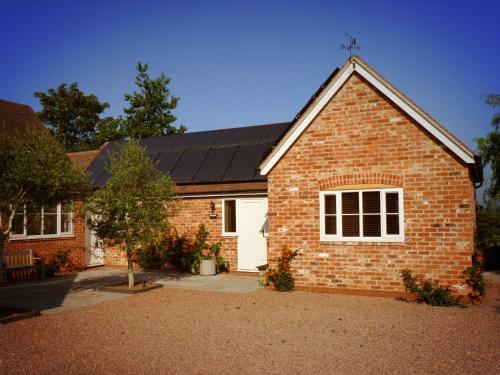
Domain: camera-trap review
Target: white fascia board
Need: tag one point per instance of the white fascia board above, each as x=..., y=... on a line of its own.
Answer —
x=442, y=137
x=304, y=123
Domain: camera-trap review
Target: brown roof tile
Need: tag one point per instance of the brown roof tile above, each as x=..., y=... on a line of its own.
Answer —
x=83, y=158
x=18, y=118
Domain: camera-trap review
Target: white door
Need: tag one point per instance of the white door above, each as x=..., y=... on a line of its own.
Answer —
x=94, y=249
x=251, y=224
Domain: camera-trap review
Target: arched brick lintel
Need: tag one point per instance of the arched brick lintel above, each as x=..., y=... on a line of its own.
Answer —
x=360, y=179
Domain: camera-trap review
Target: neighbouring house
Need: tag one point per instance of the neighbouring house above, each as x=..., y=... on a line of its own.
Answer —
x=362, y=181
x=47, y=230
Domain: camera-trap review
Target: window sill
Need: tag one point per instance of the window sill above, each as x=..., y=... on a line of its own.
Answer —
x=355, y=240
x=229, y=234
x=45, y=237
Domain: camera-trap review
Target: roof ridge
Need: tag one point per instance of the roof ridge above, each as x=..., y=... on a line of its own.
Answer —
x=16, y=103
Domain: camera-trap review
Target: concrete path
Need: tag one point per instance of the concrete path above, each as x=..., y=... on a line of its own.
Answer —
x=218, y=283
x=82, y=288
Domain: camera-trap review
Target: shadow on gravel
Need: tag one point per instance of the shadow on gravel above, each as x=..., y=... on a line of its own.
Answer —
x=69, y=291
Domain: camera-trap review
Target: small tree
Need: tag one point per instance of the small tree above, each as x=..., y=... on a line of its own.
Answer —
x=150, y=110
x=34, y=169
x=133, y=207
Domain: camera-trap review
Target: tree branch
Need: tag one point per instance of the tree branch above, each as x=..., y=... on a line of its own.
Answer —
x=11, y=221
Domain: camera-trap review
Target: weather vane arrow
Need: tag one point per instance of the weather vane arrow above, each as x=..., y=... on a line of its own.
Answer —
x=353, y=44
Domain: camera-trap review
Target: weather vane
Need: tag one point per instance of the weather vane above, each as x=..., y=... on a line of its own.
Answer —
x=353, y=44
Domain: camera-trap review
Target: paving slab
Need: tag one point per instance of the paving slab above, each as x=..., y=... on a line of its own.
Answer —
x=217, y=283
x=84, y=288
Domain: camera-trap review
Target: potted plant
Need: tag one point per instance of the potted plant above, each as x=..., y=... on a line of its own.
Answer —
x=207, y=263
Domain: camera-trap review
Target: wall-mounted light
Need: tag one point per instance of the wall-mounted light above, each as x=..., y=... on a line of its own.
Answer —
x=213, y=214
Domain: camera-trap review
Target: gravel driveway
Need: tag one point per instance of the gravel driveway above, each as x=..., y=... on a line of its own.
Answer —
x=184, y=331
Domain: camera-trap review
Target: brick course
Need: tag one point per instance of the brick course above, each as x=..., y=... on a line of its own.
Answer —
x=360, y=138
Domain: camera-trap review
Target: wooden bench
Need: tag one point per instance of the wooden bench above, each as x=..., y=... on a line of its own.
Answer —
x=23, y=260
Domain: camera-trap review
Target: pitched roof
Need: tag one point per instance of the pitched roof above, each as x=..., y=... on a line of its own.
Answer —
x=83, y=158
x=225, y=155
x=18, y=118
x=330, y=88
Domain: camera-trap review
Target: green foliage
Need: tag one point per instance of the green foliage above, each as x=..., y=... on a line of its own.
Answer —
x=427, y=291
x=281, y=277
x=150, y=110
x=150, y=258
x=182, y=252
x=284, y=281
x=474, y=277
x=36, y=169
x=201, y=249
x=134, y=206
x=74, y=117
x=60, y=262
x=489, y=148
x=488, y=234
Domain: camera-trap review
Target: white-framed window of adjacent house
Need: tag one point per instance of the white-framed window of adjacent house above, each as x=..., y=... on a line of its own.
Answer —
x=369, y=215
x=229, y=217
x=44, y=221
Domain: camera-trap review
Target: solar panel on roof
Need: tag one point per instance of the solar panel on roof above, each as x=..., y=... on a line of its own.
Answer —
x=168, y=160
x=195, y=140
x=209, y=156
x=157, y=144
x=251, y=134
x=245, y=163
x=216, y=163
x=188, y=165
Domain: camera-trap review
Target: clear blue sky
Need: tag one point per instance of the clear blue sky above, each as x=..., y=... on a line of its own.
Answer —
x=236, y=63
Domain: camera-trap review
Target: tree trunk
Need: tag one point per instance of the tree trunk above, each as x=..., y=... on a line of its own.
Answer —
x=130, y=269
x=2, y=245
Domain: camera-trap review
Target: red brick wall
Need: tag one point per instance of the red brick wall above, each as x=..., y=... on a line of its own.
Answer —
x=361, y=138
x=191, y=213
x=46, y=248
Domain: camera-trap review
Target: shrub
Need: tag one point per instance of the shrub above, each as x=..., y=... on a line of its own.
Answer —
x=474, y=277
x=428, y=291
x=59, y=263
x=150, y=258
x=281, y=277
x=182, y=252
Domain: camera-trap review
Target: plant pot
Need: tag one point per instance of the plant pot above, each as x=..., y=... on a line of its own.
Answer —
x=207, y=267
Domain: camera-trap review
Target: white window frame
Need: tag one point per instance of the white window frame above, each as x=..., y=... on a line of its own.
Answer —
x=224, y=233
x=60, y=233
x=338, y=215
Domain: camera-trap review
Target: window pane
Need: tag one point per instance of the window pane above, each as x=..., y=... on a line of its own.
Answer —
x=330, y=225
x=18, y=224
x=371, y=226
x=350, y=225
x=34, y=224
x=330, y=204
x=50, y=224
x=371, y=202
x=392, y=224
x=230, y=216
x=65, y=223
x=350, y=203
x=391, y=202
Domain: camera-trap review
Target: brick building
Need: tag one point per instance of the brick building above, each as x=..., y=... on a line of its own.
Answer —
x=362, y=181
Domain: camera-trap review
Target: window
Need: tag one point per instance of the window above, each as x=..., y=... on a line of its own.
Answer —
x=229, y=216
x=44, y=221
x=362, y=215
